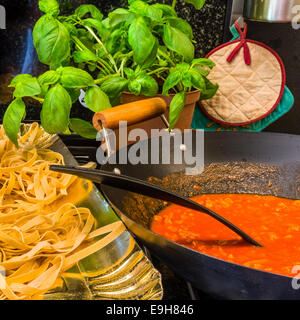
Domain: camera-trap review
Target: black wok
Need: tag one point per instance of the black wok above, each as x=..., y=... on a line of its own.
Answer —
x=262, y=163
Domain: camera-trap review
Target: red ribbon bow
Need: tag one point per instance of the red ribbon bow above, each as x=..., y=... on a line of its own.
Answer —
x=242, y=43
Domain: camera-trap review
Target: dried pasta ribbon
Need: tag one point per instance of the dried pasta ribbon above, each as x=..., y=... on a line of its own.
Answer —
x=38, y=243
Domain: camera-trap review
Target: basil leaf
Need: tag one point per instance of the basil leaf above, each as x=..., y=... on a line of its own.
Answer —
x=129, y=73
x=56, y=110
x=197, y=80
x=135, y=87
x=143, y=84
x=182, y=67
x=96, y=99
x=49, y=77
x=176, y=107
x=84, y=9
x=27, y=88
x=171, y=81
x=144, y=9
x=115, y=41
x=115, y=101
x=84, y=56
x=105, y=23
x=177, y=41
x=92, y=67
x=168, y=11
x=198, y=4
x=51, y=40
x=186, y=79
x=100, y=51
x=83, y=128
x=181, y=25
x=19, y=78
x=204, y=62
x=141, y=40
x=118, y=16
x=149, y=85
x=152, y=56
x=74, y=94
x=204, y=72
x=71, y=28
x=50, y=7
x=76, y=78
x=132, y=1
x=96, y=24
x=44, y=90
x=12, y=119
x=211, y=90
x=114, y=86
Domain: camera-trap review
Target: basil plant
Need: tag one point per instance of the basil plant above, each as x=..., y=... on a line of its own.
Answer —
x=144, y=49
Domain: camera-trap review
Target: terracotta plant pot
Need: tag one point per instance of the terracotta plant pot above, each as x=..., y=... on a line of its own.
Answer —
x=184, y=122
x=186, y=116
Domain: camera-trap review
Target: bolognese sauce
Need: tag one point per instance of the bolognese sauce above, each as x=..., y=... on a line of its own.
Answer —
x=272, y=221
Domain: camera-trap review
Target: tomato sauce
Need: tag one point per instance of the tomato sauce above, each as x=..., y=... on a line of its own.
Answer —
x=273, y=222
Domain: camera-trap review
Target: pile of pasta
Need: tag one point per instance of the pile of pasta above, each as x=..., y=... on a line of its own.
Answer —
x=39, y=243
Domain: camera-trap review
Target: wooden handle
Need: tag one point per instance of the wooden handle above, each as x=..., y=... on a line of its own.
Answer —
x=133, y=113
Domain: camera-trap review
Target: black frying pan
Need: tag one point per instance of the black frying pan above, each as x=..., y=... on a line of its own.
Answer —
x=262, y=163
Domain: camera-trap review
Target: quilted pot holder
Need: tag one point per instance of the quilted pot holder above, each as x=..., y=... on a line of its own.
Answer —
x=252, y=92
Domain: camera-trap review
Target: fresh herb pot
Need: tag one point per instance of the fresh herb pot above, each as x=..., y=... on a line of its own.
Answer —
x=145, y=49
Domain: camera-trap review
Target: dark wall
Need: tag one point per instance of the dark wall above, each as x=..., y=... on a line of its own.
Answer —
x=286, y=42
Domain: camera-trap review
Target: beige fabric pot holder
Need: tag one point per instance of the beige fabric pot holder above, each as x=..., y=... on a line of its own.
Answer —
x=251, y=79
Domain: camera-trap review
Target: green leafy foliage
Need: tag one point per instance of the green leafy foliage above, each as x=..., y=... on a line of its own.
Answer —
x=181, y=25
x=119, y=16
x=179, y=42
x=146, y=10
x=198, y=4
x=176, y=107
x=143, y=84
x=19, y=78
x=210, y=91
x=51, y=40
x=115, y=40
x=83, y=128
x=114, y=86
x=56, y=110
x=27, y=87
x=85, y=9
x=97, y=25
x=141, y=40
x=152, y=56
x=167, y=10
x=74, y=94
x=96, y=99
x=171, y=81
x=203, y=62
x=49, y=6
x=12, y=119
x=84, y=56
x=197, y=80
x=145, y=49
x=49, y=77
x=76, y=78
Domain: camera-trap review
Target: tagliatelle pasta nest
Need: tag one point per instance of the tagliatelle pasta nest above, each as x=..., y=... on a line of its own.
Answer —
x=40, y=235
